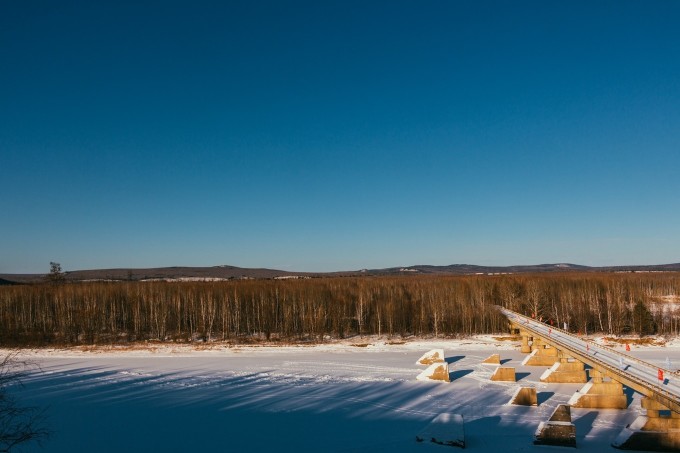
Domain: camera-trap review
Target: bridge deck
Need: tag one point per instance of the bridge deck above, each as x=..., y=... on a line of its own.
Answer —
x=637, y=374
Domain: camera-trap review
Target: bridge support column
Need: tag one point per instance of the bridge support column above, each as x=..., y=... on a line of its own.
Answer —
x=653, y=431
x=565, y=371
x=525, y=349
x=541, y=355
x=600, y=394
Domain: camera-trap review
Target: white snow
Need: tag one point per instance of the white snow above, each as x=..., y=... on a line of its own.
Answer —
x=550, y=371
x=434, y=355
x=577, y=395
x=529, y=356
x=330, y=397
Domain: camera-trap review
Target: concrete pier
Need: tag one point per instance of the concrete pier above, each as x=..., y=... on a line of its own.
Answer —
x=526, y=348
x=493, y=359
x=657, y=430
x=435, y=372
x=506, y=374
x=525, y=396
x=558, y=430
x=566, y=372
x=600, y=394
x=543, y=356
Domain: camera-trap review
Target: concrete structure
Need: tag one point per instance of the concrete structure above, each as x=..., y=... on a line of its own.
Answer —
x=493, y=359
x=526, y=347
x=435, y=372
x=525, y=396
x=566, y=372
x=444, y=429
x=432, y=356
x=504, y=374
x=600, y=394
x=562, y=413
x=558, y=430
x=658, y=429
x=541, y=354
x=654, y=431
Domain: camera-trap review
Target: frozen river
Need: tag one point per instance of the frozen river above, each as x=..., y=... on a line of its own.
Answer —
x=328, y=398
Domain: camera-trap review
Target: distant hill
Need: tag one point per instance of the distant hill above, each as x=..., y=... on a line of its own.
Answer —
x=4, y=282
x=470, y=269
x=160, y=273
x=235, y=273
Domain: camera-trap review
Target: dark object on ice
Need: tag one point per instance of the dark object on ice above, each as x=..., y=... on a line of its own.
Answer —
x=444, y=429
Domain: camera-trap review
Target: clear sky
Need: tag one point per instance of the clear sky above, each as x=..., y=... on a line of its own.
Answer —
x=338, y=135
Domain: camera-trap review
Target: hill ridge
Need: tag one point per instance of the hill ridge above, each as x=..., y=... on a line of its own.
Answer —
x=229, y=272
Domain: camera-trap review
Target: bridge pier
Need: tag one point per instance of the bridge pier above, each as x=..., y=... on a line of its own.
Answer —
x=526, y=348
x=541, y=355
x=600, y=394
x=566, y=372
x=653, y=431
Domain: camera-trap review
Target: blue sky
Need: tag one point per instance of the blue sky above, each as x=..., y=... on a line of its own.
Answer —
x=320, y=136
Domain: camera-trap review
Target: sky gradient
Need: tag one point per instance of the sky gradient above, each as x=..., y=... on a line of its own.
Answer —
x=319, y=136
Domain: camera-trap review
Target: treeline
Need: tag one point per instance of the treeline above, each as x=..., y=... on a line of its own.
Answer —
x=318, y=309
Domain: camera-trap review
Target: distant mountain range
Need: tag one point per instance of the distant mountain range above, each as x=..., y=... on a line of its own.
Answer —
x=234, y=273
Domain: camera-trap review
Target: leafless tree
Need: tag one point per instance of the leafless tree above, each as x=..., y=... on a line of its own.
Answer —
x=56, y=275
x=18, y=424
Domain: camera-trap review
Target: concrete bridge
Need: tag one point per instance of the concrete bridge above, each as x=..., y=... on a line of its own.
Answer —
x=567, y=355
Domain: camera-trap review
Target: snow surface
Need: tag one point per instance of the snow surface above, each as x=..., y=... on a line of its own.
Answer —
x=340, y=397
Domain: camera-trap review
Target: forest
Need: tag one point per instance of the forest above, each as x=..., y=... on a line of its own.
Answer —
x=322, y=309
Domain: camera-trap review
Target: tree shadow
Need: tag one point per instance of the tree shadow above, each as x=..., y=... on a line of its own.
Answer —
x=542, y=397
x=454, y=358
x=480, y=425
x=453, y=375
x=520, y=376
x=584, y=424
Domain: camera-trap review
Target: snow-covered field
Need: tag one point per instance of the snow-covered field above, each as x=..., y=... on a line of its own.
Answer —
x=358, y=395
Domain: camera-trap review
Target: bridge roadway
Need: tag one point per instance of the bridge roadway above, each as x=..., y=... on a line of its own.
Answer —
x=636, y=374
